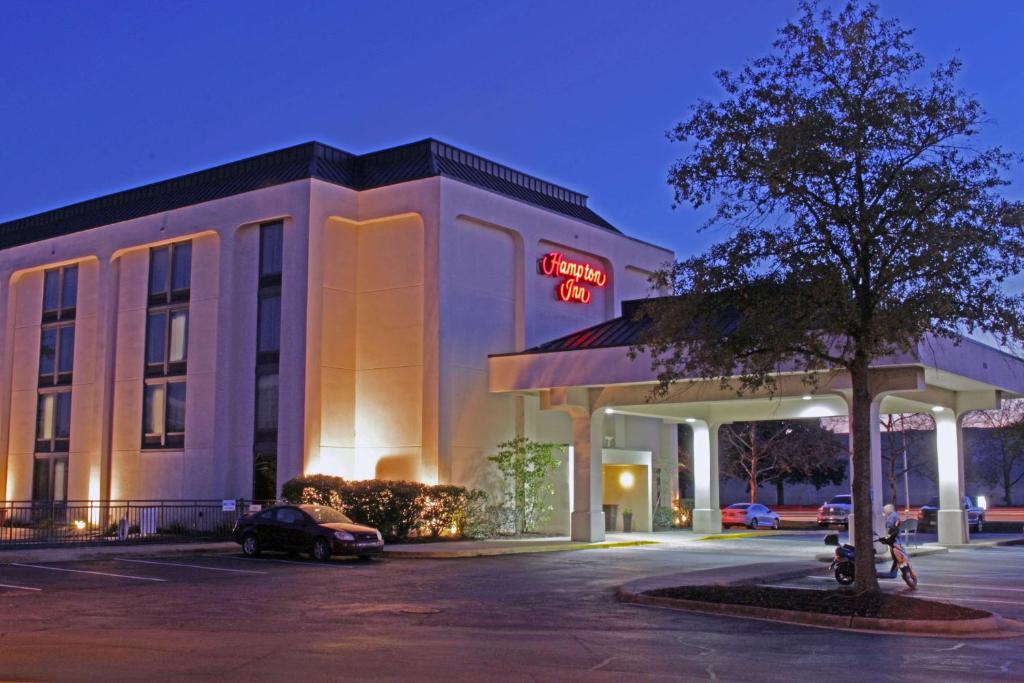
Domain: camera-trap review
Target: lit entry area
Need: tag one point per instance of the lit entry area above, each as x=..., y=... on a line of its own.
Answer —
x=589, y=376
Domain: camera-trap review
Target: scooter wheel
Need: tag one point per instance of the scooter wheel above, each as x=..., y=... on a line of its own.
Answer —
x=909, y=577
x=844, y=575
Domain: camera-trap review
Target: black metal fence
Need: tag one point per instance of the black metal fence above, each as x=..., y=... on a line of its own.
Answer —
x=36, y=523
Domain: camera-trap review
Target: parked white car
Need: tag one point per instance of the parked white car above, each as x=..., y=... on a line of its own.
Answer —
x=750, y=515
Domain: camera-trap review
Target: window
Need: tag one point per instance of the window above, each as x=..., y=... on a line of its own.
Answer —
x=163, y=415
x=60, y=293
x=56, y=354
x=167, y=341
x=271, y=251
x=50, y=478
x=170, y=273
x=268, y=349
x=53, y=422
x=266, y=404
x=163, y=405
x=269, y=316
x=53, y=402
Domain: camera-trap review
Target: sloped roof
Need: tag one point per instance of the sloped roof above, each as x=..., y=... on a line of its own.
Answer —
x=423, y=159
x=622, y=331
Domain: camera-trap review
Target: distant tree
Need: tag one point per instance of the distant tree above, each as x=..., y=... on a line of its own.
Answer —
x=903, y=434
x=862, y=217
x=1003, y=463
x=777, y=451
x=824, y=465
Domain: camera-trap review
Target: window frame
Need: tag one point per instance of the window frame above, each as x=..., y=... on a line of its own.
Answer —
x=62, y=312
x=169, y=295
x=166, y=439
x=166, y=367
x=52, y=443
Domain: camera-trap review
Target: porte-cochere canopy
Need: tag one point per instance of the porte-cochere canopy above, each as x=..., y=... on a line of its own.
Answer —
x=588, y=374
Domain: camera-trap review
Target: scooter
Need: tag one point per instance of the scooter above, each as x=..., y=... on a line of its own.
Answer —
x=843, y=564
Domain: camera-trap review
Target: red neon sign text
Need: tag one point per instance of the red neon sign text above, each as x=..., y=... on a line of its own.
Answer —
x=576, y=275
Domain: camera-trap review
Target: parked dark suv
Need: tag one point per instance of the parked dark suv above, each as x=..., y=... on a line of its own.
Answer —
x=318, y=530
x=930, y=512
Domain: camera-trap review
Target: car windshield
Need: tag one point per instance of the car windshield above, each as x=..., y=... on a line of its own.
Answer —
x=840, y=499
x=325, y=515
x=739, y=506
x=933, y=503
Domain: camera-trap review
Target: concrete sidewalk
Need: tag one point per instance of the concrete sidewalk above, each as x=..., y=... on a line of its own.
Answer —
x=95, y=552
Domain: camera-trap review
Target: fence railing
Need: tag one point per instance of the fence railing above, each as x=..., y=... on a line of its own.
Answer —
x=35, y=523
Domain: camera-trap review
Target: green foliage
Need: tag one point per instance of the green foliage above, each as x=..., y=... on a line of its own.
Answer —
x=662, y=517
x=398, y=509
x=855, y=191
x=526, y=466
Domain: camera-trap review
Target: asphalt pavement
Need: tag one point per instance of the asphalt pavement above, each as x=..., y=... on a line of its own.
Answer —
x=551, y=616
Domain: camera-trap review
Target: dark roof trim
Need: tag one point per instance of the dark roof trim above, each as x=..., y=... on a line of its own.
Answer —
x=423, y=159
x=623, y=331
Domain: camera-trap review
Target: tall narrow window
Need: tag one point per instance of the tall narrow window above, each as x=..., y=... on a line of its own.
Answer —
x=56, y=365
x=268, y=349
x=163, y=408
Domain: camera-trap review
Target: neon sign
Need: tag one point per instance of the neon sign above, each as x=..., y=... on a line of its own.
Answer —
x=575, y=276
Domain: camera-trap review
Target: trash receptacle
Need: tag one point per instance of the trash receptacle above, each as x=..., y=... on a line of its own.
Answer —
x=611, y=513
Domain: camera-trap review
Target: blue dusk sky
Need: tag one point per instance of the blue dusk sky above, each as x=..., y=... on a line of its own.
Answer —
x=97, y=97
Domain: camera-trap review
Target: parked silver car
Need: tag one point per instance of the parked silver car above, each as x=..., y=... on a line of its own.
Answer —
x=750, y=515
x=836, y=511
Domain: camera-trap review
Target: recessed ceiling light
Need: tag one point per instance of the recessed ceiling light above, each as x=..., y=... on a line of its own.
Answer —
x=807, y=397
x=609, y=411
x=690, y=419
x=937, y=409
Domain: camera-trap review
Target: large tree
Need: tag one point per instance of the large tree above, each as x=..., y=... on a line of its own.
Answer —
x=862, y=217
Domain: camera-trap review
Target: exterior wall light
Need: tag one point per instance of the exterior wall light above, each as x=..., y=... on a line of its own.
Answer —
x=626, y=480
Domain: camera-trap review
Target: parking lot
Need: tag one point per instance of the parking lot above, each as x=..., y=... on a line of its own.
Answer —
x=521, y=617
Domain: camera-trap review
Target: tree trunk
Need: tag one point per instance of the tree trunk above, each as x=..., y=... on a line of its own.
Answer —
x=860, y=428
x=1007, y=486
x=780, y=491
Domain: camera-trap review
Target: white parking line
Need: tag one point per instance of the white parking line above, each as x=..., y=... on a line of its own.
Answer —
x=960, y=599
x=21, y=588
x=83, y=571
x=974, y=587
x=191, y=566
x=323, y=565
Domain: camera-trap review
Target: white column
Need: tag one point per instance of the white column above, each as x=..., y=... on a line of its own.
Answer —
x=587, y=521
x=952, y=520
x=707, y=513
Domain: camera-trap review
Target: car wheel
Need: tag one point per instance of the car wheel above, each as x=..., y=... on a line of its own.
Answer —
x=980, y=525
x=775, y=523
x=251, y=546
x=321, y=550
x=753, y=524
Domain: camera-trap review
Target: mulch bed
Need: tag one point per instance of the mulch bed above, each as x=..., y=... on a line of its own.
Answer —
x=838, y=602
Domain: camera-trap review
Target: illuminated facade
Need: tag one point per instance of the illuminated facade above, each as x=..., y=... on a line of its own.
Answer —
x=304, y=311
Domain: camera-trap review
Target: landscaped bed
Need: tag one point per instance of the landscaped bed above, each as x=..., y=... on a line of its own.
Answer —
x=835, y=602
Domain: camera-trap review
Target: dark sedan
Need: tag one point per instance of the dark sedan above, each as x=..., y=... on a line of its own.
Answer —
x=315, y=529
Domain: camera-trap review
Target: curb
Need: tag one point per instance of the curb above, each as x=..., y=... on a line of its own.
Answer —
x=991, y=626
x=507, y=550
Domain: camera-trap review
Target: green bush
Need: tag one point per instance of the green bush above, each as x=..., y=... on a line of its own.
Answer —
x=398, y=509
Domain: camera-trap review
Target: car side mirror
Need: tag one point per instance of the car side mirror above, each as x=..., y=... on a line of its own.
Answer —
x=832, y=539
